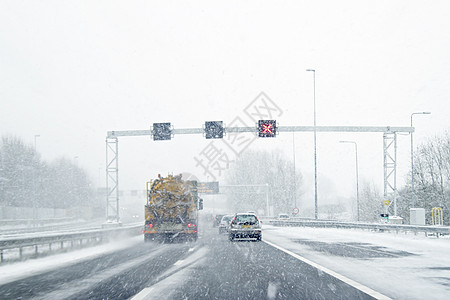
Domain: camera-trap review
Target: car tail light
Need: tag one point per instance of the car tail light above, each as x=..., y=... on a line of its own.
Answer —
x=191, y=225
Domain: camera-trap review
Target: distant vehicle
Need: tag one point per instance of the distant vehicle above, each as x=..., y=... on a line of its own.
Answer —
x=282, y=217
x=217, y=219
x=245, y=226
x=225, y=223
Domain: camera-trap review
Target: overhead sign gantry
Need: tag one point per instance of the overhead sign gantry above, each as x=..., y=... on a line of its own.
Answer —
x=263, y=129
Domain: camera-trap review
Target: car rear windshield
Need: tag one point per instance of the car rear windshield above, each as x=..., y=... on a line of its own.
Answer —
x=245, y=220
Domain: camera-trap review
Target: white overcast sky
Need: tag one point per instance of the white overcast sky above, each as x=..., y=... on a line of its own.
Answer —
x=72, y=70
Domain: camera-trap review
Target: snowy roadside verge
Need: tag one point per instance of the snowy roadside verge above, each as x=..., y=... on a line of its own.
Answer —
x=417, y=272
x=15, y=271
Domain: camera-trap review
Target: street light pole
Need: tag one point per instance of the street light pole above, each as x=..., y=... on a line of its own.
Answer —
x=316, y=215
x=34, y=185
x=413, y=196
x=295, y=179
x=357, y=177
x=267, y=200
x=35, y=137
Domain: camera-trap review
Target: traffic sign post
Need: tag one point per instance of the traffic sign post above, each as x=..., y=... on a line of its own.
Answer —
x=267, y=128
x=161, y=131
x=214, y=130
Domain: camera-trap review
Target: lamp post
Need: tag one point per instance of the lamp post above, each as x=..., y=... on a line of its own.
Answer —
x=357, y=176
x=315, y=148
x=413, y=196
x=35, y=137
x=34, y=185
x=295, y=179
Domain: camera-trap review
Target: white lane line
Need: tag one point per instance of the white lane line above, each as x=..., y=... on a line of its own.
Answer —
x=179, y=262
x=67, y=292
x=348, y=281
x=163, y=288
x=143, y=294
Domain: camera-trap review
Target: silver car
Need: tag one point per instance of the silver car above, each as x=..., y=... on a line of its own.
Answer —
x=225, y=223
x=245, y=226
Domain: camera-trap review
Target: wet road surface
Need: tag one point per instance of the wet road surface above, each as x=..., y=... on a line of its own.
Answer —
x=211, y=268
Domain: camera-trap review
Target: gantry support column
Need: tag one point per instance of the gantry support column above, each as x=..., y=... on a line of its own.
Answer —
x=112, y=179
x=390, y=169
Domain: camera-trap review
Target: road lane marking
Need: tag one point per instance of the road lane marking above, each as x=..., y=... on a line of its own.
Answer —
x=163, y=286
x=347, y=280
x=90, y=281
x=143, y=294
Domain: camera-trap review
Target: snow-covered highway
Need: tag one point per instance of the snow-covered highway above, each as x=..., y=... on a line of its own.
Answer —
x=312, y=263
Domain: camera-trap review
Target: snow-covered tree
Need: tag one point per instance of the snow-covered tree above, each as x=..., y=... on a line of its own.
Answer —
x=370, y=205
x=261, y=168
x=431, y=178
x=27, y=181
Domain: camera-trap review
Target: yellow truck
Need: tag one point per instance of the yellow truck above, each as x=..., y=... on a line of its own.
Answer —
x=171, y=211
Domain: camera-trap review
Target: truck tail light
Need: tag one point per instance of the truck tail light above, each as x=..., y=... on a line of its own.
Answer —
x=147, y=226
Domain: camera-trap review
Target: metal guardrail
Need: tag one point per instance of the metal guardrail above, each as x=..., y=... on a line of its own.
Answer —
x=31, y=222
x=88, y=236
x=442, y=230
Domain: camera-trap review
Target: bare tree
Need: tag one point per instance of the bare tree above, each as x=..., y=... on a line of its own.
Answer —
x=431, y=176
x=370, y=203
x=26, y=180
x=261, y=168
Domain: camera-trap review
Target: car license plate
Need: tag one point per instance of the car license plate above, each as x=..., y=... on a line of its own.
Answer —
x=245, y=226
